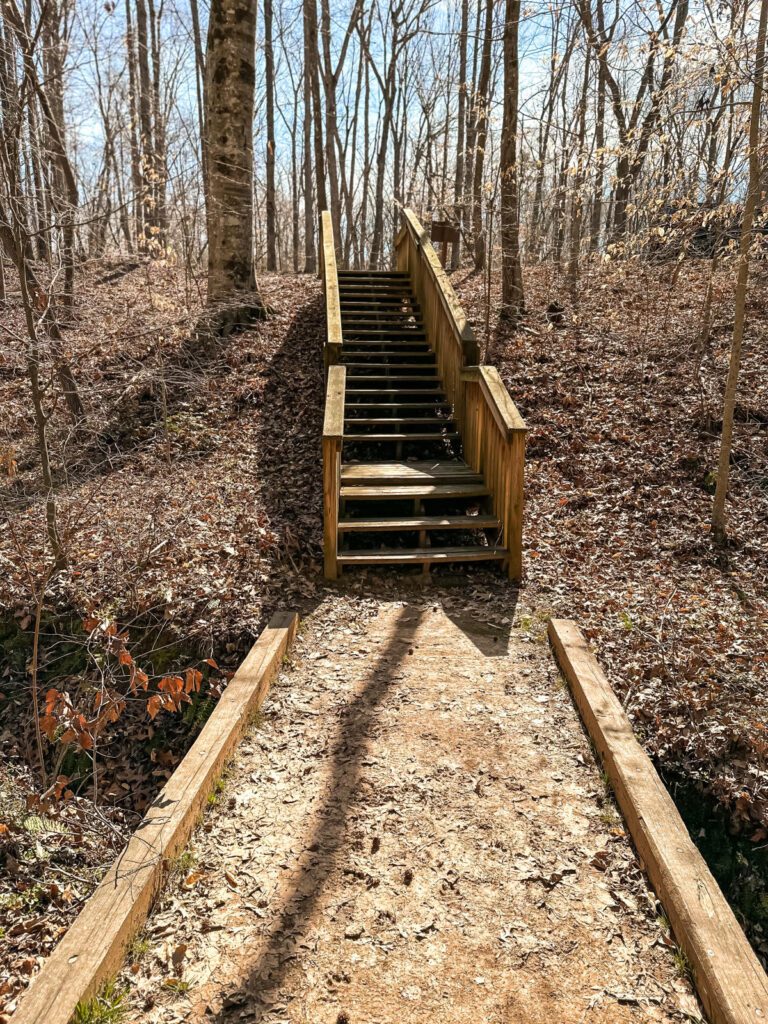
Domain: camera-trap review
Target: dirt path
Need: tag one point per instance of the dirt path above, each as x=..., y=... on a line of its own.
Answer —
x=417, y=831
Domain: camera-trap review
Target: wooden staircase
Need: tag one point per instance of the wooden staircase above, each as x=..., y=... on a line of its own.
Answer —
x=398, y=489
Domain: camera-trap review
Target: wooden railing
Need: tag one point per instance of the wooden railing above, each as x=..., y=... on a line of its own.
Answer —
x=333, y=435
x=335, y=387
x=494, y=445
x=492, y=429
x=448, y=332
x=330, y=277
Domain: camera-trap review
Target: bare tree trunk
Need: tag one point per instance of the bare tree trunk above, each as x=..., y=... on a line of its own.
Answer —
x=229, y=94
x=310, y=255
x=742, y=280
x=461, y=117
x=482, y=101
x=311, y=69
x=199, y=80
x=149, y=213
x=133, y=129
x=159, y=156
x=269, y=74
x=469, y=169
x=577, y=201
x=511, y=268
x=597, y=194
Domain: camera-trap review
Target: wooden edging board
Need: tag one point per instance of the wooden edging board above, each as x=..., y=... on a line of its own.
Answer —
x=731, y=984
x=93, y=949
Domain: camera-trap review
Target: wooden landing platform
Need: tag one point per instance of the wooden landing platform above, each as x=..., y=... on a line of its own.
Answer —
x=418, y=833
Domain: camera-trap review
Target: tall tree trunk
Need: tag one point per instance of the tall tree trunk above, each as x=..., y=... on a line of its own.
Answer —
x=312, y=69
x=199, y=86
x=461, y=116
x=511, y=268
x=310, y=253
x=481, y=138
x=230, y=78
x=149, y=212
x=469, y=168
x=597, y=194
x=742, y=280
x=159, y=156
x=269, y=74
x=577, y=200
x=133, y=129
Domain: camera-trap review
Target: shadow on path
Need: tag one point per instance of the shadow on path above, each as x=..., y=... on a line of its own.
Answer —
x=356, y=725
x=491, y=640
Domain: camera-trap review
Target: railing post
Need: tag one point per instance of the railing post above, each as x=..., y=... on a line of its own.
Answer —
x=516, y=502
x=333, y=434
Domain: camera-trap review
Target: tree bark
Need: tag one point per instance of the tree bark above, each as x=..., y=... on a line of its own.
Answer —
x=461, y=117
x=269, y=74
x=229, y=94
x=511, y=268
x=480, y=139
x=310, y=252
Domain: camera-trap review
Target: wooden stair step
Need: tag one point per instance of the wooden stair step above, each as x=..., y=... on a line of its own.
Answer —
x=404, y=556
x=448, y=435
x=400, y=405
x=370, y=378
x=409, y=523
x=425, y=471
x=355, y=392
x=358, y=305
x=371, y=421
x=369, y=323
x=400, y=274
x=384, y=337
x=355, y=353
x=371, y=294
x=374, y=286
x=386, y=316
x=391, y=366
x=402, y=492
x=379, y=313
x=396, y=346
x=396, y=333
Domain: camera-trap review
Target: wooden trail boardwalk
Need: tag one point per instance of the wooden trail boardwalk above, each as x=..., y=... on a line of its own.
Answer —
x=417, y=831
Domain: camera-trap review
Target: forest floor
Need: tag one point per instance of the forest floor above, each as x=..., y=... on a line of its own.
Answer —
x=191, y=508
x=398, y=842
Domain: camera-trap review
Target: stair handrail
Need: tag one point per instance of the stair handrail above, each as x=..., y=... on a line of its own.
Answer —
x=329, y=275
x=333, y=437
x=449, y=333
x=492, y=429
